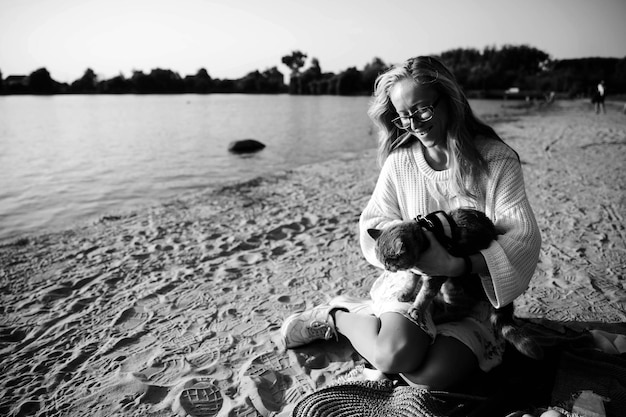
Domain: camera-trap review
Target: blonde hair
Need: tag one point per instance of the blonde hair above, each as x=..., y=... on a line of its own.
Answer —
x=466, y=163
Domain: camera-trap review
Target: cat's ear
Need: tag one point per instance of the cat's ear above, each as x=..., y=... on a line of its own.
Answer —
x=374, y=233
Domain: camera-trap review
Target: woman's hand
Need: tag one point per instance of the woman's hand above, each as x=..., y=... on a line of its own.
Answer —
x=436, y=260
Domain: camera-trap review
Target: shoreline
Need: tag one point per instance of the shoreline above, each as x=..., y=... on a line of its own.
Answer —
x=167, y=309
x=194, y=196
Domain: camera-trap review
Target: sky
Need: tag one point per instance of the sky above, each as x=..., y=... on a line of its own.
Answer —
x=230, y=38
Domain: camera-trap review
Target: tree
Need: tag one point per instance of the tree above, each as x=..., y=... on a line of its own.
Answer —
x=41, y=82
x=275, y=80
x=308, y=77
x=88, y=83
x=371, y=71
x=269, y=81
x=141, y=82
x=463, y=63
x=349, y=82
x=618, y=80
x=251, y=83
x=203, y=83
x=295, y=61
x=116, y=85
x=514, y=63
x=166, y=81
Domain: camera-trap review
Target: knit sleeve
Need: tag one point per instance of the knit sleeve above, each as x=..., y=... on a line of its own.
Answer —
x=382, y=209
x=513, y=257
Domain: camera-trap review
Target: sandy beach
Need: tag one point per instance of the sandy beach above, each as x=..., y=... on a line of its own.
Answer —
x=175, y=310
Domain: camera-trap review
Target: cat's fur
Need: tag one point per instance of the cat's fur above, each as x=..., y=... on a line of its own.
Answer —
x=467, y=231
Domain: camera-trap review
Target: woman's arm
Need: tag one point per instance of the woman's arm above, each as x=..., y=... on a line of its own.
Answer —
x=511, y=260
x=381, y=210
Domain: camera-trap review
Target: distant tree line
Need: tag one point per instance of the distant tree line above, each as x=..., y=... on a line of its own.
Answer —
x=158, y=81
x=532, y=71
x=314, y=81
x=486, y=73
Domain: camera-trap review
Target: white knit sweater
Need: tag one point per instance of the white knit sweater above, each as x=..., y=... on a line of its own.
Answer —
x=408, y=186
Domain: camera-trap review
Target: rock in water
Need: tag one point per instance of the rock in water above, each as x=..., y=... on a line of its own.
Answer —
x=245, y=146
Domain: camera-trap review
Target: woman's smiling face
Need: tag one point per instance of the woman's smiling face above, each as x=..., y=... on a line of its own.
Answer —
x=406, y=97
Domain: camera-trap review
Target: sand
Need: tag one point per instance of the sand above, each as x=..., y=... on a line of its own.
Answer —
x=175, y=310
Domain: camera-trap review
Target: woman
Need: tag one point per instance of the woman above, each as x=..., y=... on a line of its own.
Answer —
x=435, y=155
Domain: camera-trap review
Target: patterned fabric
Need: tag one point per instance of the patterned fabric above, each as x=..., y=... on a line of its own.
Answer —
x=477, y=333
x=394, y=292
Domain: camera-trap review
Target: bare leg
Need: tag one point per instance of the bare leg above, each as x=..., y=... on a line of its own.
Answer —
x=447, y=363
x=392, y=344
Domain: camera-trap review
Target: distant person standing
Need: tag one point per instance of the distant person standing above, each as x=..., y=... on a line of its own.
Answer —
x=599, y=100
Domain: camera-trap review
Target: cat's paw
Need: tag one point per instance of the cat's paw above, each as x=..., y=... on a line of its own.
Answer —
x=415, y=313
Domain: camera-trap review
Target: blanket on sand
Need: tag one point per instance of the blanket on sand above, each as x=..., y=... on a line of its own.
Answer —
x=576, y=377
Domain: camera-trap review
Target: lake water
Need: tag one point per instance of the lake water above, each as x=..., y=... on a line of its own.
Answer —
x=66, y=160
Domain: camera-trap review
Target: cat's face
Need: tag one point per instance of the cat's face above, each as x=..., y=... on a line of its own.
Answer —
x=399, y=246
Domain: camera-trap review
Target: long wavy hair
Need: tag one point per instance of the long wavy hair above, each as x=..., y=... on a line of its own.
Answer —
x=466, y=163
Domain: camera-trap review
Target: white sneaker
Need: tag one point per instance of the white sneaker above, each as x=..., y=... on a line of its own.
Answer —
x=303, y=328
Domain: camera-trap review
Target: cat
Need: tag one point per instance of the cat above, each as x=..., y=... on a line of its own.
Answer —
x=462, y=232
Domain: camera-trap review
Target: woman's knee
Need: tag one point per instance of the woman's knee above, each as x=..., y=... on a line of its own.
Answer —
x=397, y=356
x=401, y=346
x=448, y=363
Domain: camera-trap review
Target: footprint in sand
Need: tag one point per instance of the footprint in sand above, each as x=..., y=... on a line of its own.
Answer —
x=201, y=399
x=249, y=328
x=209, y=352
x=186, y=342
x=227, y=273
x=246, y=410
x=246, y=245
x=251, y=258
x=164, y=372
x=279, y=251
x=265, y=361
x=144, y=309
x=203, y=359
x=286, y=303
x=148, y=302
x=265, y=391
x=270, y=382
x=118, y=349
x=197, y=299
x=285, y=230
x=81, y=304
x=56, y=292
x=49, y=361
x=132, y=318
x=221, y=342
